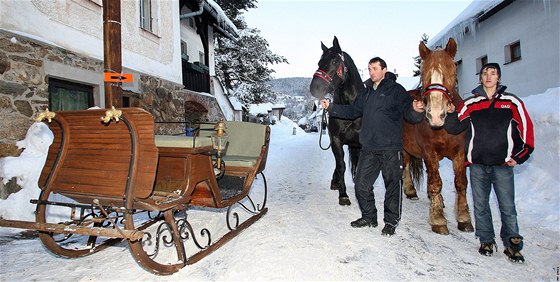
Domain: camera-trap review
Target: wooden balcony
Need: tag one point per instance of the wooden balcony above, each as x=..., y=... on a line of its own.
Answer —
x=196, y=77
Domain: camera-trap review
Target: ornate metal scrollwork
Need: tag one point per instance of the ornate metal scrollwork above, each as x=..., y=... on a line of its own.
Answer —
x=185, y=229
x=162, y=233
x=247, y=204
x=164, y=236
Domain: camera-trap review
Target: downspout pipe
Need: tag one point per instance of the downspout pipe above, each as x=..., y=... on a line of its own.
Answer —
x=193, y=14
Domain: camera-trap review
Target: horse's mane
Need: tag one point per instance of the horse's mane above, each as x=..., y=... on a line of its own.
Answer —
x=354, y=74
x=353, y=84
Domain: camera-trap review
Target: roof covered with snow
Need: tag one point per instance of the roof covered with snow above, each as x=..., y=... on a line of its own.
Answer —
x=223, y=22
x=469, y=18
x=220, y=21
x=263, y=108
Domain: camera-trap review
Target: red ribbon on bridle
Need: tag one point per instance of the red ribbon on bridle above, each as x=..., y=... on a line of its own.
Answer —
x=323, y=75
x=436, y=87
x=340, y=72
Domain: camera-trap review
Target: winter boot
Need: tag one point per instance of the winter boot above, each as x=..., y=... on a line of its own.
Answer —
x=362, y=222
x=487, y=249
x=513, y=251
x=388, y=230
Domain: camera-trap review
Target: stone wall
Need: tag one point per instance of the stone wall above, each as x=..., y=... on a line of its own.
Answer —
x=24, y=91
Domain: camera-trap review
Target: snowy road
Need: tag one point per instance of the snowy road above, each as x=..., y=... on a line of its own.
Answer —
x=306, y=235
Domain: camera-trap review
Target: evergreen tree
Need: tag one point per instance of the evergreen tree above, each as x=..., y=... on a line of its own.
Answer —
x=417, y=59
x=243, y=65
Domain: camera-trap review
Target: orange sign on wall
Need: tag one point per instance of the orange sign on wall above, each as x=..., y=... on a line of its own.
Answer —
x=118, y=77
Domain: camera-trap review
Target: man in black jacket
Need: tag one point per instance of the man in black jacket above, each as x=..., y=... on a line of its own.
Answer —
x=382, y=107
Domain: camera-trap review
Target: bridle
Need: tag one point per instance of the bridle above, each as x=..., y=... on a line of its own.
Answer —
x=437, y=87
x=340, y=72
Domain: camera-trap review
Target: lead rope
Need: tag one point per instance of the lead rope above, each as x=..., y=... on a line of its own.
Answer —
x=323, y=125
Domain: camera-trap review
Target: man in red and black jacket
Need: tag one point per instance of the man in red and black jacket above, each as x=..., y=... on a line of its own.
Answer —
x=499, y=137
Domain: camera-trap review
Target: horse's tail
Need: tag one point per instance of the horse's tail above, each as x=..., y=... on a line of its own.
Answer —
x=354, y=154
x=416, y=169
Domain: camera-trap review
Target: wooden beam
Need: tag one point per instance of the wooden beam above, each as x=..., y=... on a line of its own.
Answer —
x=112, y=53
x=133, y=235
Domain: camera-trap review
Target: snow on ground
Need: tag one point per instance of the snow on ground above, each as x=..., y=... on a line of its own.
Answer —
x=306, y=235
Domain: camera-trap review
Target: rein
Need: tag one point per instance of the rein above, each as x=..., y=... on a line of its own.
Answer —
x=341, y=72
x=324, y=122
x=436, y=87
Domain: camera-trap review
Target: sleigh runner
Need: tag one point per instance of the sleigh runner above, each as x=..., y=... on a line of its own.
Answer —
x=105, y=181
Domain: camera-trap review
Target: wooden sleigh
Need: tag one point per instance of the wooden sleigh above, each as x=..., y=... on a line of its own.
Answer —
x=114, y=180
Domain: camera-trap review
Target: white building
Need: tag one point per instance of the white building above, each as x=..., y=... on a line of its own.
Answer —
x=523, y=36
x=52, y=56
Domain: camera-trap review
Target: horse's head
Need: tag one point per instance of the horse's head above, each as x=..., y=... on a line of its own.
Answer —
x=331, y=73
x=439, y=79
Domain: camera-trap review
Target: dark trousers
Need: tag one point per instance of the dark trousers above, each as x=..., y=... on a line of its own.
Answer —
x=370, y=164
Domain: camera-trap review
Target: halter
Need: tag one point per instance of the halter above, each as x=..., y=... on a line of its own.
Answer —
x=436, y=87
x=340, y=72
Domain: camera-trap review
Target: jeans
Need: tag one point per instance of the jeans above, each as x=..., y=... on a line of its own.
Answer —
x=483, y=178
x=370, y=164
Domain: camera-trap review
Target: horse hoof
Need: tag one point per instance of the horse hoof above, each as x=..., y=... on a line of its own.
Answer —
x=465, y=227
x=413, y=197
x=344, y=201
x=440, y=229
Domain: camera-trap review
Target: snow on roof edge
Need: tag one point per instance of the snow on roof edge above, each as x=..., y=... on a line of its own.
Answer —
x=467, y=18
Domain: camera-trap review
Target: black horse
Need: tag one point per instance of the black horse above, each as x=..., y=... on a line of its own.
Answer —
x=337, y=75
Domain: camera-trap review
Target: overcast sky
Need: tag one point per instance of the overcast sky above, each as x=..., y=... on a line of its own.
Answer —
x=365, y=29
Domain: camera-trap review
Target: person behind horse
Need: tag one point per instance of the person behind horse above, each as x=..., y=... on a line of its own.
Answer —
x=382, y=107
x=499, y=137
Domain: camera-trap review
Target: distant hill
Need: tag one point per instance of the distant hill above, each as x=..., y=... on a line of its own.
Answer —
x=292, y=86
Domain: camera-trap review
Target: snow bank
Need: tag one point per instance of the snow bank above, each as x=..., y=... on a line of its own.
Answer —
x=27, y=170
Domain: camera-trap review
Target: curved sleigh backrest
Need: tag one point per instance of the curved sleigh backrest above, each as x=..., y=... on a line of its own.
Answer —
x=92, y=159
x=247, y=140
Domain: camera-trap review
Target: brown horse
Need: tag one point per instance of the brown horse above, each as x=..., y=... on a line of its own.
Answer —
x=428, y=141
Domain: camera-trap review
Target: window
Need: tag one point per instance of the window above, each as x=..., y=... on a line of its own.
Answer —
x=481, y=62
x=184, y=51
x=512, y=52
x=146, y=14
x=65, y=95
x=201, y=57
x=125, y=102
